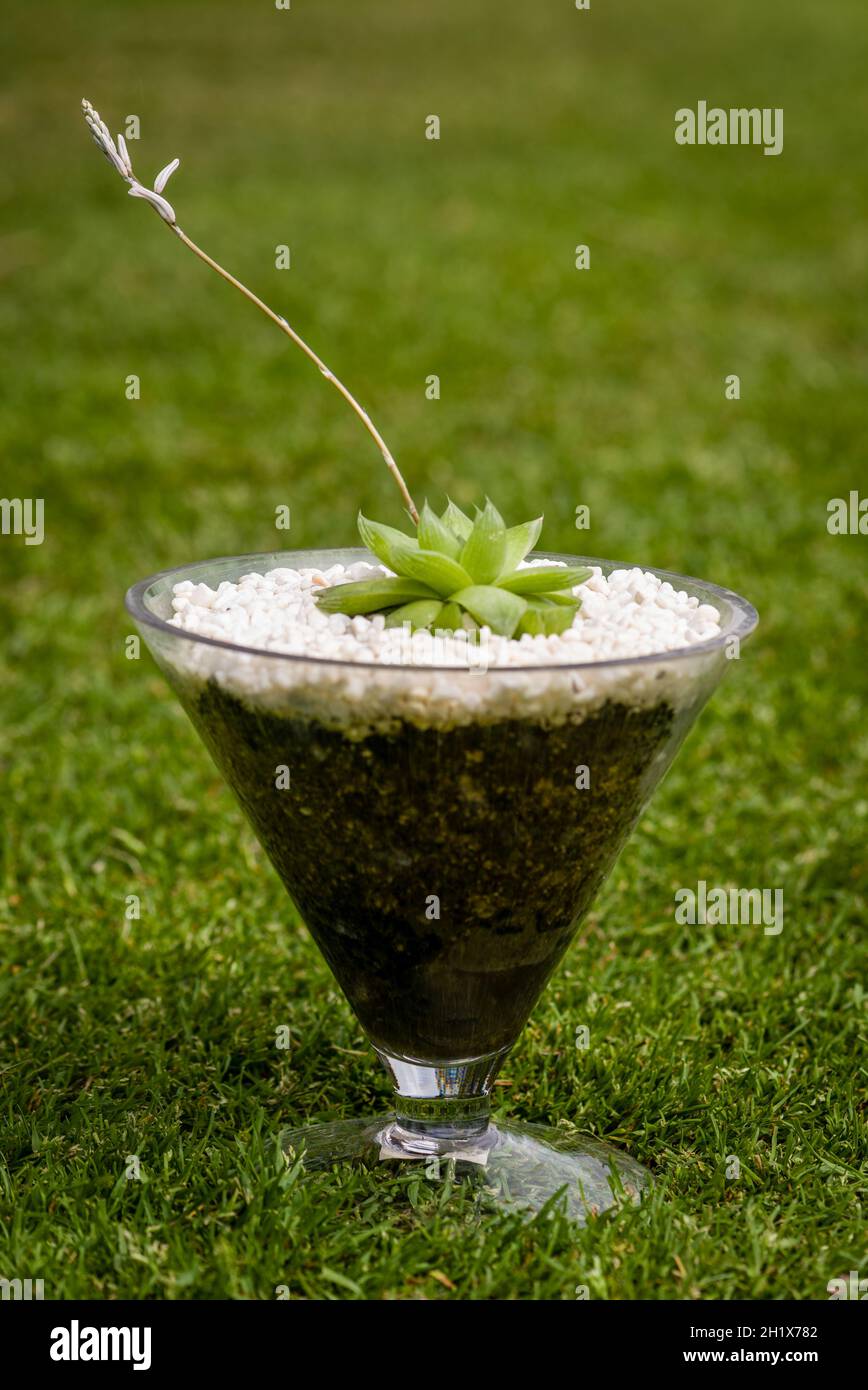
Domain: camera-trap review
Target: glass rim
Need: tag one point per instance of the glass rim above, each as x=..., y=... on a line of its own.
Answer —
x=743, y=621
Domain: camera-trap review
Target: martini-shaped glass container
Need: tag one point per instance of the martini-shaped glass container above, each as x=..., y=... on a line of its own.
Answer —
x=442, y=831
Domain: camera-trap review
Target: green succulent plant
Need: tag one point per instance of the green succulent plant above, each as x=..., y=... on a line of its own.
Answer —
x=457, y=573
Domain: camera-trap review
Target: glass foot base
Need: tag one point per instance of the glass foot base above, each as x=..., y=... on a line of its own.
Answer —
x=511, y=1167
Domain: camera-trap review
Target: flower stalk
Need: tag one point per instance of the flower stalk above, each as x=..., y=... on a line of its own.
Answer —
x=118, y=156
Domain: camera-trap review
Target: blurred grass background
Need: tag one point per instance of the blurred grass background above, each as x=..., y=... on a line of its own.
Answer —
x=558, y=387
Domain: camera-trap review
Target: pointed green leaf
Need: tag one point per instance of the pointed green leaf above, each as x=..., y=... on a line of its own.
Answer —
x=531, y=625
x=387, y=544
x=568, y=599
x=434, y=535
x=520, y=540
x=370, y=595
x=484, y=548
x=545, y=618
x=542, y=579
x=440, y=573
x=496, y=608
x=459, y=524
x=422, y=613
x=450, y=618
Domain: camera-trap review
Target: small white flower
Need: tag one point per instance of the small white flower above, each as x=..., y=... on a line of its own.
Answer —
x=164, y=175
x=111, y=154
x=164, y=208
x=124, y=154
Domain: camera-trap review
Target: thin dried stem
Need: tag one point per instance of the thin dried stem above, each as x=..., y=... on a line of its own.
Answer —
x=317, y=361
x=119, y=158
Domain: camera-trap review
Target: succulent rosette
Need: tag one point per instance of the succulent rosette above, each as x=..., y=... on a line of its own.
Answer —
x=457, y=573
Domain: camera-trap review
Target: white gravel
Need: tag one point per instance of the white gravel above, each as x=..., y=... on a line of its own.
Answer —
x=365, y=678
x=630, y=613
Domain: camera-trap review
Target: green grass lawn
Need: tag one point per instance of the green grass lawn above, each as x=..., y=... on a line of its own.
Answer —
x=559, y=387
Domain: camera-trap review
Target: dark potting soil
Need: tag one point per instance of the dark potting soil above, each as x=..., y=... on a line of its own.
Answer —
x=441, y=873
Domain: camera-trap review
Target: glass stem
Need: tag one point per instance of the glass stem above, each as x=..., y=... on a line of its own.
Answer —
x=441, y=1109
